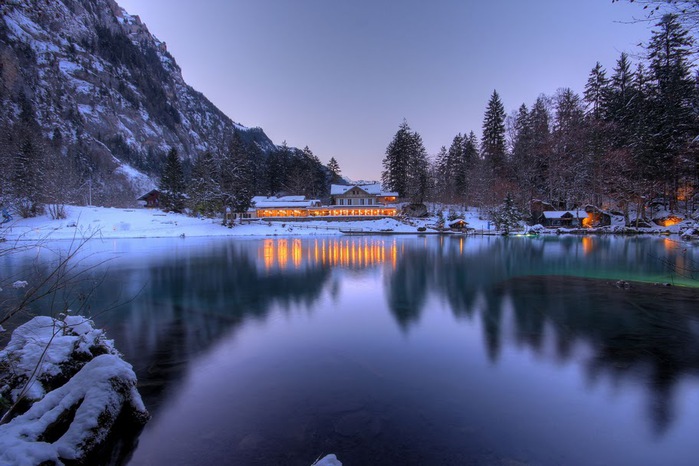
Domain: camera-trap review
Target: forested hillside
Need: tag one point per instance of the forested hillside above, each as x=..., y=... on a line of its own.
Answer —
x=91, y=103
x=629, y=141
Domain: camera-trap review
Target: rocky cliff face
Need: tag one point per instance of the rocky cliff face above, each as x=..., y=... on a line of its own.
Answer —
x=101, y=86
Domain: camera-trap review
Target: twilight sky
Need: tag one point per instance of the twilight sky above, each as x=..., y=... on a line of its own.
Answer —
x=339, y=76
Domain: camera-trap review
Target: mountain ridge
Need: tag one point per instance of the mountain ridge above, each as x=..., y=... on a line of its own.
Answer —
x=98, y=82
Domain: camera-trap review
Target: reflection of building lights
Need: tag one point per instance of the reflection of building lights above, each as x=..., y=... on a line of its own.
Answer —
x=282, y=253
x=333, y=252
x=587, y=244
x=296, y=252
x=669, y=244
x=268, y=253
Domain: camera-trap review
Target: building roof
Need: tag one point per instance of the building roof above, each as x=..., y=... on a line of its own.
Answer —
x=373, y=189
x=551, y=214
x=152, y=192
x=274, y=202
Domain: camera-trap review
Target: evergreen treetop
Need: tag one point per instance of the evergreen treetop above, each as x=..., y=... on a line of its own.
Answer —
x=172, y=184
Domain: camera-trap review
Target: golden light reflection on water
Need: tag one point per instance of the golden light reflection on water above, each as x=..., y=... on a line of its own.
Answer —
x=679, y=265
x=295, y=253
x=587, y=245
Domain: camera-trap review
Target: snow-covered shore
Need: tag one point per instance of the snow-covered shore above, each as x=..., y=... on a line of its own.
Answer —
x=111, y=223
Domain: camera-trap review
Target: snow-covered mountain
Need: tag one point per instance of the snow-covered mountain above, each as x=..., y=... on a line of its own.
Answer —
x=97, y=79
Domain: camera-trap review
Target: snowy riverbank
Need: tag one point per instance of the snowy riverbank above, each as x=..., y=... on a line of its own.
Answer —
x=149, y=223
x=112, y=223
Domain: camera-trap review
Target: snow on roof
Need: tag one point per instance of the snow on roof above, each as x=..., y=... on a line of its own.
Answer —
x=280, y=204
x=562, y=213
x=279, y=198
x=267, y=202
x=372, y=188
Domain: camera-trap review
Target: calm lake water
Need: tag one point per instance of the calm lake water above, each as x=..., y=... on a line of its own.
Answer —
x=402, y=350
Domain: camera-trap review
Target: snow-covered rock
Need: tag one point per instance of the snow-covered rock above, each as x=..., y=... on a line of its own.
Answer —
x=690, y=233
x=78, y=387
x=328, y=460
x=46, y=351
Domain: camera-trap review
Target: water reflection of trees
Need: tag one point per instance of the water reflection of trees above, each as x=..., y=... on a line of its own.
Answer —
x=407, y=286
x=646, y=333
x=190, y=300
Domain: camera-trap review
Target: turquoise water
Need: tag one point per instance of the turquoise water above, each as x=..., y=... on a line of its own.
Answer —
x=406, y=350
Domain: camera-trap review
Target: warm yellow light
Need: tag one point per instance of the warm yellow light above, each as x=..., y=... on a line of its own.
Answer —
x=296, y=252
x=671, y=220
x=268, y=253
x=282, y=253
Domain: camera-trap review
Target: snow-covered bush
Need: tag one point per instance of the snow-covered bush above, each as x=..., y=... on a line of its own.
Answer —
x=507, y=216
x=535, y=229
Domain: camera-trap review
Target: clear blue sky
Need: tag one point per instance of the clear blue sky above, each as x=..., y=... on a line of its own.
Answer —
x=340, y=76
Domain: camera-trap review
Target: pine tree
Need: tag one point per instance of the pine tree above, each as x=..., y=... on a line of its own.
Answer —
x=204, y=190
x=334, y=167
x=277, y=165
x=453, y=173
x=540, y=121
x=27, y=162
x=317, y=181
x=669, y=50
x=471, y=160
x=172, y=185
x=237, y=177
x=306, y=175
x=406, y=168
x=569, y=167
x=619, y=109
x=598, y=138
x=397, y=161
x=523, y=160
x=418, y=175
x=644, y=126
x=597, y=92
x=442, y=185
x=493, y=140
x=507, y=216
x=471, y=150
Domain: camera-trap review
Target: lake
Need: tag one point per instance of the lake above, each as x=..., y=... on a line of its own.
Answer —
x=405, y=350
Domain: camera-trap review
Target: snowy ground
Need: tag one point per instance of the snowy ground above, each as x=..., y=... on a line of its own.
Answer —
x=149, y=223
x=111, y=223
